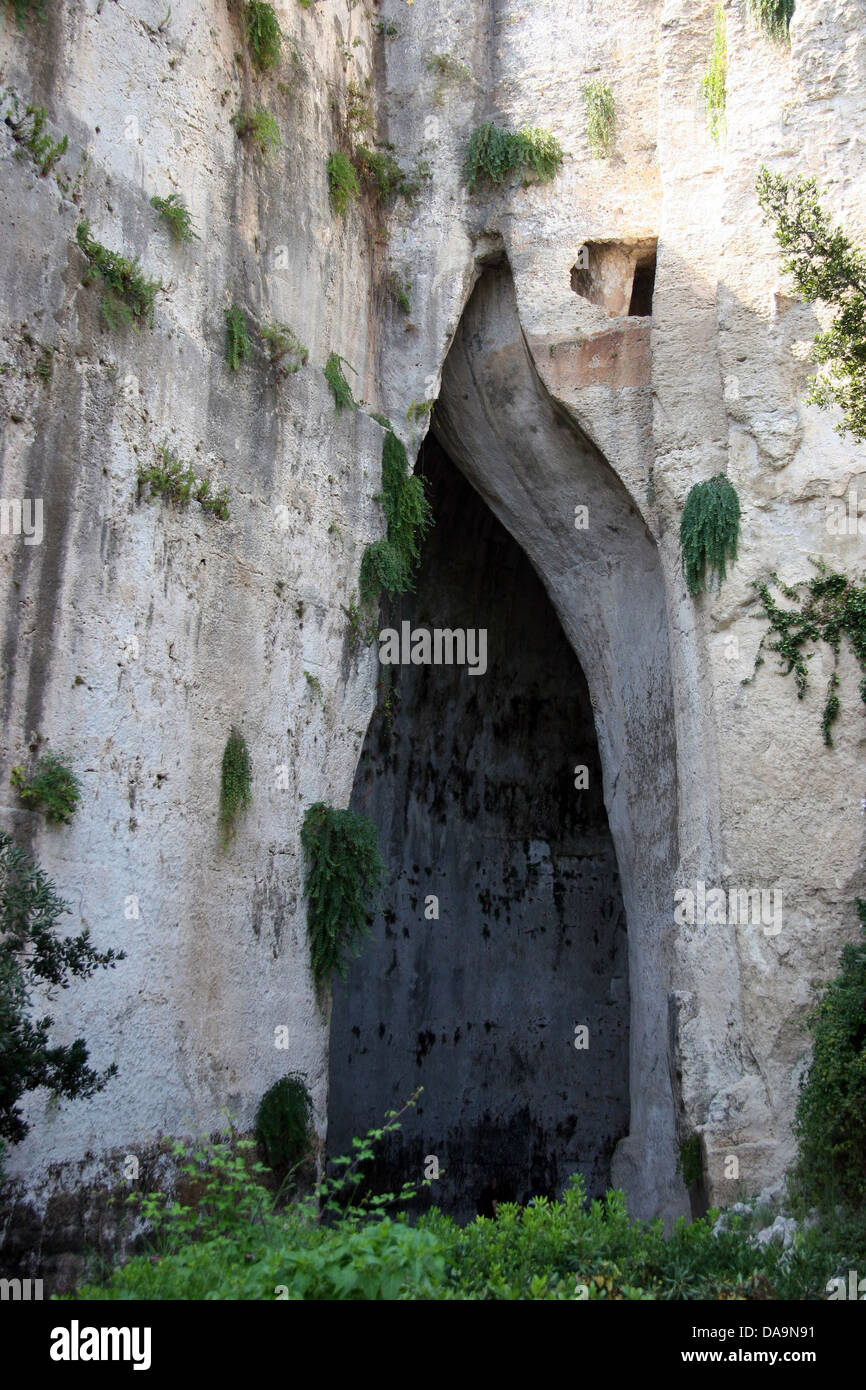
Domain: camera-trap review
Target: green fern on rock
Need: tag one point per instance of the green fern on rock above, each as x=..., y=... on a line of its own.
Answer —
x=388, y=564
x=709, y=531
x=343, y=873
x=235, y=784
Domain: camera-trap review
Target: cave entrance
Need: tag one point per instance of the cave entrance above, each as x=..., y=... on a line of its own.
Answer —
x=503, y=930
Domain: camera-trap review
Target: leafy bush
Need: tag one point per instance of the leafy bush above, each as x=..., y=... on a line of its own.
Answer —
x=833, y=607
x=285, y=349
x=773, y=16
x=235, y=784
x=283, y=1124
x=129, y=296
x=340, y=388
x=264, y=35
x=714, y=82
x=31, y=954
x=174, y=480
x=709, y=531
x=494, y=153
x=830, y=1122
x=380, y=171
x=825, y=265
x=388, y=564
x=259, y=128
x=52, y=788
x=238, y=348
x=344, y=871
x=177, y=215
x=600, y=117
x=342, y=181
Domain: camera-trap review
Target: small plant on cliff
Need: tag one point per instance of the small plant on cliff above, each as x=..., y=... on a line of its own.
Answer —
x=340, y=388
x=773, y=16
x=33, y=955
x=709, y=531
x=175, y=212
x=344, y=872
x=26, y=9
x=259, y=128
x=342, y=181
x=380, y=171
x=714, y=82
x=389, y=563
x=282, y=1126
x=824, y=265
x=690, y=1160
x=600, y=117
x=28, y=131
x=129, y=296
x=832, y=607
x=237, y=339
x=285, y=349
x=52, y=787
x=494, y=153
x=175, y=480
x=830, y=1122
x=264, y=35
x=235, y=784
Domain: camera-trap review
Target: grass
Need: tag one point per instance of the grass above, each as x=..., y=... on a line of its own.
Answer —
x=259, y=128
x=340, y=388
x=177, y=215
x=342, y=182
x=285, y=350
x=238, y=347
x=174, y=480
x=600, y=118
x=264, y=35
x=129, y=295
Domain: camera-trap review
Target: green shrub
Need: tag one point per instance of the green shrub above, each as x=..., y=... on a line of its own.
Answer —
x=830, y=1122
x=129, y=296
x=174, y=480
x=52, y=788
x=285, y=350
x=389, y=563
x=772, y=16
x=238, y=348
x=259, y=128
x=344, y=871
x=342, y=181
x=177, y=215
x=824, y=265
x=709, y=531
x=32, y=954
x=833, y=607
x=600, y=118
x=235, y=784
x=28, y=130
x=379, y=171
x=494, y=153
x=714, y=82
x=282, y=1126
x=340, y=388
x=26, y=9
x=264, y=35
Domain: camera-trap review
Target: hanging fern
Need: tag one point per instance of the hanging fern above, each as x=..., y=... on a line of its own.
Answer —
x=388, y=563
x=494, y=153
x=344, y=872
x=340, y=388
x=709, y=531
x=714, y=83
x=773, y=16
x=832, y=607
x=235, y=792
x=600, y=118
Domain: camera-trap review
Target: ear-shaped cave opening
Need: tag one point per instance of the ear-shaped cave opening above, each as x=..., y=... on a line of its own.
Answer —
x=497, y=973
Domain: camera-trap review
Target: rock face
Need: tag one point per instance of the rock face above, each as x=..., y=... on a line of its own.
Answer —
x=136, y=635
